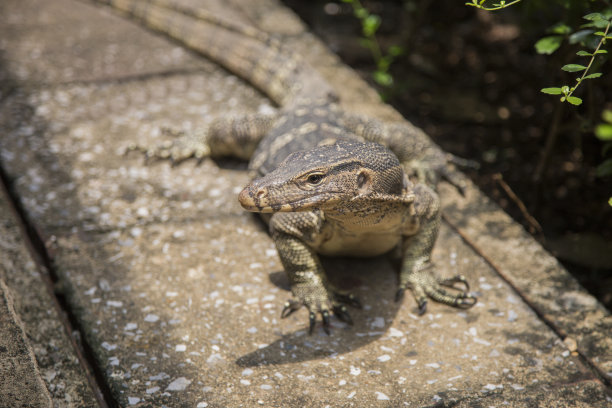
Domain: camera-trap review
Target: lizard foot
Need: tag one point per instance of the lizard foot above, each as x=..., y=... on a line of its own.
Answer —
x=184, y=146
x=423, y=285
x=337, y=306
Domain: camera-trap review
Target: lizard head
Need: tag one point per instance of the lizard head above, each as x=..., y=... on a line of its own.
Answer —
x=324, y=177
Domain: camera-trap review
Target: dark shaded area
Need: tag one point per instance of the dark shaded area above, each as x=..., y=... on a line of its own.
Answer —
x=471, y=79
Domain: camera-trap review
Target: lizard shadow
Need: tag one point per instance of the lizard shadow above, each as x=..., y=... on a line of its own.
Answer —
x=372, y=280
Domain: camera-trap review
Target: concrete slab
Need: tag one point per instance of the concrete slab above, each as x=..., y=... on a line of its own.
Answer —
x=179, y=291
x=38, y=363
x=20, y=381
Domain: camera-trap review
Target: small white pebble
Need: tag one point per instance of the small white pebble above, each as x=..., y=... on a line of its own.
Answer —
x=379, y=322
x=383, y=358
x=179, y=384
x=247, y=371
x=355, y=370
x=108, y=346
x=180, y=348
x=245, y=382
x=151, y=318
x=381, y=397
x=133, y=400
x=130, y=327
x=395, y=333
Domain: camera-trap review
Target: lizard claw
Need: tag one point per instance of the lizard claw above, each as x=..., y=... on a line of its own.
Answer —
x=325, y=317
x=339, y=310
x=456, y=279
x=399, y=295
x=183, y=147
x=312, y=320
x=424, y=285
x=290, y=307
x=422, y=307
x=342, y=314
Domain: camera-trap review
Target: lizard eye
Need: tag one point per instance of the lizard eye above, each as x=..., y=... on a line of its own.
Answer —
x=315, y=178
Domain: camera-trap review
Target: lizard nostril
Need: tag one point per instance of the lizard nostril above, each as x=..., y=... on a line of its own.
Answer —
x=261, y=194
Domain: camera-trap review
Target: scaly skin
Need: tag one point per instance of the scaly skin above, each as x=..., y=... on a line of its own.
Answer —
x=336, y=183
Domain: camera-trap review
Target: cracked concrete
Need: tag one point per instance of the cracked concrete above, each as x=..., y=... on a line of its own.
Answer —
x=178, y=291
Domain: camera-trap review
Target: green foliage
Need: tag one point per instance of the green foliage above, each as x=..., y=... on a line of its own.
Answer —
x=483, y=4
x=548, y=45
x=591, y=33
x=370, y=24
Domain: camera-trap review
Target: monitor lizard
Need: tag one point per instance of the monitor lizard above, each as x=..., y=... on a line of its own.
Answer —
x=327, y=181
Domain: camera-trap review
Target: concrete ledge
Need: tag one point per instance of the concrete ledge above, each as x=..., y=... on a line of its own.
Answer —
x=179, y=291
x=20, y=382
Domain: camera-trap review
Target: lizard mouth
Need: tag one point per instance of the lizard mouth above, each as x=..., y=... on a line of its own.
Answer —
x=259, y=201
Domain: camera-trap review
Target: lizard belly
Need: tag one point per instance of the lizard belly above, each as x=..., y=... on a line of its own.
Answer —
x=365, y=244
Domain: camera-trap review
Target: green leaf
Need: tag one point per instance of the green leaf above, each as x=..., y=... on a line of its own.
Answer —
x=579, y=36
x=599, y=33
x=603, y=132
x=584, y=54
x=574, y=100
x=370, y=25
x=551, y=91
x=610, y=202
x=573, y=67
x=601, y=52
x=548, y=45
x=604, y=169
x=383, y=78
x=560, y=28
x=607, y=115
x=594, y=16
x=593, y=75
x=361, y=13
x=396, y=50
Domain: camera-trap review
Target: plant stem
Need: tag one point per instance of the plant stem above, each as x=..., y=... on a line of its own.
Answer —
x=603, y=39
x=480, y=6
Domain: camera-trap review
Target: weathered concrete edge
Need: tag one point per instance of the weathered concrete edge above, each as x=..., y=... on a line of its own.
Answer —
x=57, y=359
x=537, y=276
x=15, y=390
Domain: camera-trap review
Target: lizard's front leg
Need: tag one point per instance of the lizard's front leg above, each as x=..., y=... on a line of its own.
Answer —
x=225, y=137
x=291, y=233
x=417, y=271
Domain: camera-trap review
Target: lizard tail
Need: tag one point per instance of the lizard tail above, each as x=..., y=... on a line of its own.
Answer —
x=243, y=50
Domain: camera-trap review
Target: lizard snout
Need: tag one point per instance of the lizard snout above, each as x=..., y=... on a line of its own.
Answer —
x=253, y=198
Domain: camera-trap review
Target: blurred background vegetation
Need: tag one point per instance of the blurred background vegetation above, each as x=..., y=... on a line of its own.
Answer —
x=473, y=79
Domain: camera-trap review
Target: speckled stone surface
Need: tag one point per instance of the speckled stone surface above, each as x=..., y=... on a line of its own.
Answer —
x=38, y=364
x=179, y=291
